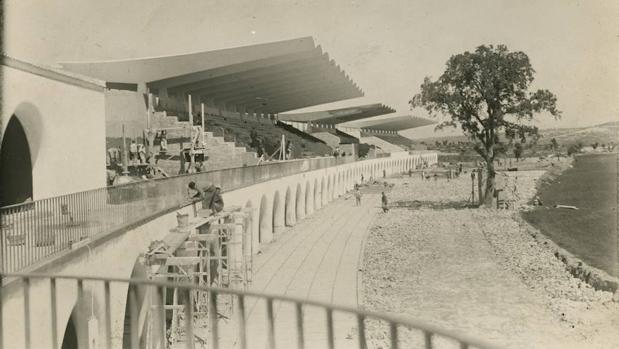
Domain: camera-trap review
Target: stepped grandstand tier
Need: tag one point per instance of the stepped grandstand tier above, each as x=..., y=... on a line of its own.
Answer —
x=232, y=93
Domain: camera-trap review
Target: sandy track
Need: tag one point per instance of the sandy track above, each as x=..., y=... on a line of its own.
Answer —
x=478, y=272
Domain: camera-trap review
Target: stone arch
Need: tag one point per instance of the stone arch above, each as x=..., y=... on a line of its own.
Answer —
x=323, y=192
x=279, y=211
x=300, y=203
x=309, y=199
x=317, y=195
x=265, y=221
x=15, y=165
x=134, y=304
x=290, y=211
x=251, y=228
x=338, y=185
x=329, y=188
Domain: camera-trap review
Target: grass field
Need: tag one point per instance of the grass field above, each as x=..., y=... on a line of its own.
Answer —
x=591, y=231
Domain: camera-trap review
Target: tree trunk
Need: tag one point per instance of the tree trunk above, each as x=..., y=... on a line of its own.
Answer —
x=490, y=184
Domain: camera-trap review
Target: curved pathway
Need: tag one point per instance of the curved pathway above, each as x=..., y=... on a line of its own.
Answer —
x=317, y=259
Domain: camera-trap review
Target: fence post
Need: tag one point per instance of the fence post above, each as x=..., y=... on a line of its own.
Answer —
x=479, y=185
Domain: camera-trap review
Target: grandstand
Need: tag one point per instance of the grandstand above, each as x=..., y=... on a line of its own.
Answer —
x=393, y=138
x=236, y=129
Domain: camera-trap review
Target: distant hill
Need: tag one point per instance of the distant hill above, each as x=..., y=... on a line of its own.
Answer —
x=603, y=133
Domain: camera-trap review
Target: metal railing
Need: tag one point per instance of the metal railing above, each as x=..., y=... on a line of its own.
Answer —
x=31, y=232
x=151, y=328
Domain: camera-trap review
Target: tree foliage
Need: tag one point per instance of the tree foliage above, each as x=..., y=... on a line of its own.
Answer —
x=486, y=93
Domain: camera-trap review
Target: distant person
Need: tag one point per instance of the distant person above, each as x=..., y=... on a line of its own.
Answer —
x=410, y=172
x=289, y=150
x=163, y=143
x=133, y=151
x=357, y=197
x=216, y=204
x=193, y=191
x=141, y=153
x=361, y=178
x=253, y=137
x=384, y=173
x=384, y=202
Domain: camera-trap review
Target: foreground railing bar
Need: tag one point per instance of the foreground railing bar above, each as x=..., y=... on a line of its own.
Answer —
x=406, y=322
x=161, y=324
x=189, y=319
x=242, y=321
x=27, y=311
x=212, y=314
x=1, y=314
x=330, y=336
x=133, y=311
x=427, y=339
x=54, y=327
x=270, y=324
x=108, y=314
x=361, y=331
x=300, y=334
x=393, y=334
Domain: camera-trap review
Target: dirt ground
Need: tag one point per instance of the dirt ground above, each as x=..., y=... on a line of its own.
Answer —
x=477, y=272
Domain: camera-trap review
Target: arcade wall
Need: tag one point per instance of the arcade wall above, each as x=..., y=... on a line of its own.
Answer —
x=63, y=116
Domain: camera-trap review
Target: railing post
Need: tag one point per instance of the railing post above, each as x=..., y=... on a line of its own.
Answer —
x=300, y=334
x=27, y=322
x=54, y=326
x=270, y=324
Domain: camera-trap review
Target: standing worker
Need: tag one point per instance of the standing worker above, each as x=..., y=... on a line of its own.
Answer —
x=133, y=151
x=357, y=196
x=384, y=202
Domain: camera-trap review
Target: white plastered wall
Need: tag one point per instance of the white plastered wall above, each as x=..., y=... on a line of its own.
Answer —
x=65, y=127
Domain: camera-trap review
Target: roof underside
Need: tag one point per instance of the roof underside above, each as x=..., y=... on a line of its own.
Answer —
x=268, y=78
x=337, y=116
x=396, y=123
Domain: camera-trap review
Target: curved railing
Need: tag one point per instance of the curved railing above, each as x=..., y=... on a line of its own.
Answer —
x=370, y=326
x=33, y=231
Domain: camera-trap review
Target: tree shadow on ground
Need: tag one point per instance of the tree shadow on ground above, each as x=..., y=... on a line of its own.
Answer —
x=435, y=205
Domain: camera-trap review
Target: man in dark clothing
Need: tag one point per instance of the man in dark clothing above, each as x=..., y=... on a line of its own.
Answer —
x=384, y=202
x=193, y=191
x=216, y=203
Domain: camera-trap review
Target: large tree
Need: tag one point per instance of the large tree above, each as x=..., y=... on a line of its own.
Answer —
x=486, y=93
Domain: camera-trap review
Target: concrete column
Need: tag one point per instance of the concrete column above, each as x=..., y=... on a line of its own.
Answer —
x=279, y=214
x=235, y=251
x=309, y=202
x=291, y=212
x=300, y=204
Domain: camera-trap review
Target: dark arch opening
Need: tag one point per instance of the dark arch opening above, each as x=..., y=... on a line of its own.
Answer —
x=69, y=340
x=15, y=165
x=263, y=217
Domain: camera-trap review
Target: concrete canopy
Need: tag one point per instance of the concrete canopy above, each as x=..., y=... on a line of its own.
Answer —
x=272, y=77
x=337, y=116
x=396, y=123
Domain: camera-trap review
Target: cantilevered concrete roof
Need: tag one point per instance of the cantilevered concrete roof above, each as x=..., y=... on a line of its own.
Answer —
x=337, y=116
x=395, y=123
x=272, y=77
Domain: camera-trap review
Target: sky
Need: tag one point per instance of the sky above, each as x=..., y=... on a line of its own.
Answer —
x=387, y=47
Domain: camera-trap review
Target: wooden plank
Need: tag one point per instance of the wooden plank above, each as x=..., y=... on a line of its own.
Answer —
x=202, y=237
x=179, y=261
x=226, y=226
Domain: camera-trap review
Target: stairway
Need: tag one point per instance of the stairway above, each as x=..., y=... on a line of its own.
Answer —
x=221, y=154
